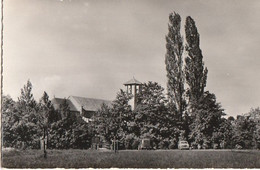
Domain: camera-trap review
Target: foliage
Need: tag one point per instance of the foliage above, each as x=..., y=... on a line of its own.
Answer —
x=207, y=121
x=101, y=124
x=20, y=120
x=26, y=100
x=69, y=132
x=151, y=115
x=174, y=64
x=114, y=122
x=205, y=113
x=44, y=112
x=131, y=141
x=121, y=116
x=10, y=117
x=196, y=75
x=25, y=122
x=246, y=130
x=224, y=134
x=47, y=113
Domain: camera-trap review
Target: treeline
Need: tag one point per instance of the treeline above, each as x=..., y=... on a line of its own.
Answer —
x=153, y=118
x=26, y=122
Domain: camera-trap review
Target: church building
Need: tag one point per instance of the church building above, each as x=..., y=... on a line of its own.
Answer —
x=87, y=107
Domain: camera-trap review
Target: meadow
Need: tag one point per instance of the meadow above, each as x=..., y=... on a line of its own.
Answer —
x=131, y=159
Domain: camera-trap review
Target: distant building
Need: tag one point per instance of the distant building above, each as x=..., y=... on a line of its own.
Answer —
x=86, y=107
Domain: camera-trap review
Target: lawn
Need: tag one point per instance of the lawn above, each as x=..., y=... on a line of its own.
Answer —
x=132, y=159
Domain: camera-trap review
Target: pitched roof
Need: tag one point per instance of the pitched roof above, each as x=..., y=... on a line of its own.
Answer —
x=133, y=81
x=58, y=101
x=89, y=104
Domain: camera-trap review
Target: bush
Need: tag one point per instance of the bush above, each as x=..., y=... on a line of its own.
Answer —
x=206, y=144
x=135, y=144
x=194, y=145
x=163, y=145
x=173, y=144
x=128, y=141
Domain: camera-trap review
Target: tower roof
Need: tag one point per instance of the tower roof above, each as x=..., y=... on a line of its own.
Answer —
x=133, y=81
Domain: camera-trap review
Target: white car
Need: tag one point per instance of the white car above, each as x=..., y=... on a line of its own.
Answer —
x=183, y=145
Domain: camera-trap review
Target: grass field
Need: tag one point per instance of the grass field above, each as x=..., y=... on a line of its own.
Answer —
x=132, y=159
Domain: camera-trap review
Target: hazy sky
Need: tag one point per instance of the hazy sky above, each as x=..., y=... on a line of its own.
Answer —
x=90, y=48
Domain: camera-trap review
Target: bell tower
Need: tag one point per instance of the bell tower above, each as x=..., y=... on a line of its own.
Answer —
x=133, y=87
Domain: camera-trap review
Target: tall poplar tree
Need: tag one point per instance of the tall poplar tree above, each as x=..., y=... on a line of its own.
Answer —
x=196, y=74
x=174, y=64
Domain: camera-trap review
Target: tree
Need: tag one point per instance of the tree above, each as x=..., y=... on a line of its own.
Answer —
x=69, y=132
x=255, y=116
x=247, y=131
x=20, y=120
x=47, y=112
x=196, y=78
x=174, y=64
x=121, y=116
x=102, y=123
x=46, y=109
x=223, y=135
x=26, y=128
x=207, y=121
x=116, y=121
x=244, y=129
x=151, y=107
x=152, y=118
x=195, y=73
x=10, y=116
x=26, y=100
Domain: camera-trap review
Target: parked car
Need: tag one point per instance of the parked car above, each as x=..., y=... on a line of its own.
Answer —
x=145, y=144
x=183, y=145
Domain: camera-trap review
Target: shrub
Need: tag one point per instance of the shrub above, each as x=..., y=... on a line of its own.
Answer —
x=163, y=144
x=135, y=144
x=173, y=144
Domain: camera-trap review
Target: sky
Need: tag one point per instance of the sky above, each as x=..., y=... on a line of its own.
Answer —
x=89, y=48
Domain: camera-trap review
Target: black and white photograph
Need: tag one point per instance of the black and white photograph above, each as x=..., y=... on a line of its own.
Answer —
x=130, y=84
